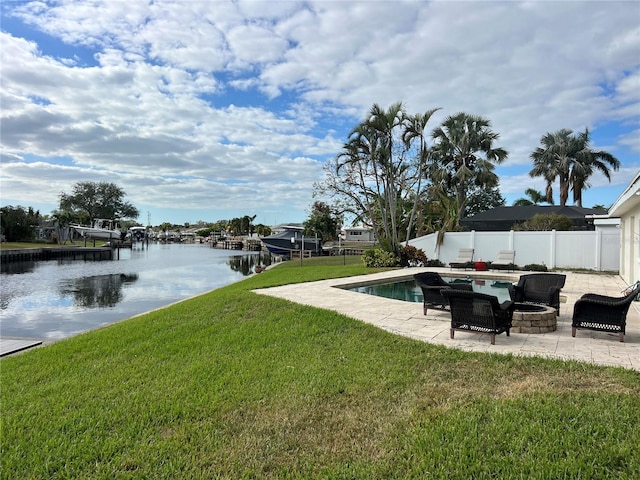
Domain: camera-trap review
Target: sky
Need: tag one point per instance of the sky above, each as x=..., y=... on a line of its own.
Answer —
x=212, y=110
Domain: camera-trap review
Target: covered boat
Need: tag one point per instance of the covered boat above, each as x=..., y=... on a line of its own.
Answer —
x=289, y=240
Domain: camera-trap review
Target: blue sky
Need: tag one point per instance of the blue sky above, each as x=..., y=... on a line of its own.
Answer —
x=208, y=110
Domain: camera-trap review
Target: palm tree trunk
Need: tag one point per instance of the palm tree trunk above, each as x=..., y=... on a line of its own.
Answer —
x=564, y=189
x=461, y=202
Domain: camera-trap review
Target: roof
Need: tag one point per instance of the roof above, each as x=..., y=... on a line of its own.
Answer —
x=628, y=199
x=502, y=218
x=359, y=228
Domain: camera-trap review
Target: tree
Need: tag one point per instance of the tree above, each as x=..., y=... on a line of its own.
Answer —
x=440, y=210
x=263, y=230
x=570, y=159
x=415, y=129
x=377, y=176
x=545, y=222
x=91, y=200
x=483, y=198
x=242, y=225
x=535, y=198
x=323, y=221
x=465, y=155
x=18, y=224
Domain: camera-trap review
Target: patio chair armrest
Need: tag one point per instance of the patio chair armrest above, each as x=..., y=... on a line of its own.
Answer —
x=597, y=299
x=516, y=293
x=554, y=294
x=554, y=289
x=507, y=305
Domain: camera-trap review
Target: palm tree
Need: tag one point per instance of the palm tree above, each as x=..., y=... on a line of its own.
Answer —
x=569, y=158
x=381, y=169
x=414, y=129
x=535, y=198
x=588, y=160
x=466, y=154
x=370, y=155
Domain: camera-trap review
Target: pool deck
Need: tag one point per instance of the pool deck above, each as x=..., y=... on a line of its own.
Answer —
x=406, y=318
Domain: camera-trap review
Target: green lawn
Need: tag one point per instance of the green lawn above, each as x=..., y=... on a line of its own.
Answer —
x=76, y=243
x=233, y=385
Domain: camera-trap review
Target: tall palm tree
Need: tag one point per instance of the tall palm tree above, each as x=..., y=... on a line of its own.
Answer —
x=415, y=129
x=369, y=157
x=466, y=154
x=384, y=123
x=586, y=162
x=569, y=158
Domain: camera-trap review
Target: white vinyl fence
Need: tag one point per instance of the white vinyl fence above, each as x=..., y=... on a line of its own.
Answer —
x=595, y=250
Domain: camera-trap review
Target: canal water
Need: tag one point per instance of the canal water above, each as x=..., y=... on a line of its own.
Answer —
x=60, y=298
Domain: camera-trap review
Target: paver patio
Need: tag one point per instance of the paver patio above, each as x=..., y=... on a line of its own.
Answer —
x=406, y=318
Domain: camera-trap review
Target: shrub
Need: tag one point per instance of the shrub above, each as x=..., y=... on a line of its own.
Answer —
x=545, y=222
x=379, y=258
x=434, y=263
x=411, y=256
x=535, y=267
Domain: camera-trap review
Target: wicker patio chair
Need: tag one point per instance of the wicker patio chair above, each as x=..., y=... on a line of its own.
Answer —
x=464, y=260
x=478, y=312
x=431, y=284
x=603, y=313
x=542, y=288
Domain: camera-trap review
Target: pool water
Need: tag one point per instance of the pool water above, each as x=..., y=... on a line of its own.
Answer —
x=409, y=291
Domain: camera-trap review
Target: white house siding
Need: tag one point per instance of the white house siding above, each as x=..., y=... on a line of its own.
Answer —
x=627, y=208
x=358, y=234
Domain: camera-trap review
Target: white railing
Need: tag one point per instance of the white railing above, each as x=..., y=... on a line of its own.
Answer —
x=594, y=250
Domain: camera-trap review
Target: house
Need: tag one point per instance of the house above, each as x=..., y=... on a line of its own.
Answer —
x=358, y=234
x=627, y=209
x=502, y=219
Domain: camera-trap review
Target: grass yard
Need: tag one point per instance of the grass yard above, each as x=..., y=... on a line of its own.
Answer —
x=234, y=385
x=75, y=243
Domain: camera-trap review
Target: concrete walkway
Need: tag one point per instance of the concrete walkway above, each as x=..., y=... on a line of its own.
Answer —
x=406, y=318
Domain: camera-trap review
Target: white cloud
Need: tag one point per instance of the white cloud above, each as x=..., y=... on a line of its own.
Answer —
x=173, y=92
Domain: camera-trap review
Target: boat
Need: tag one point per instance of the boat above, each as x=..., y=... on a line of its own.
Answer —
x=102, y=229
x=137, y=234
x=290, y=240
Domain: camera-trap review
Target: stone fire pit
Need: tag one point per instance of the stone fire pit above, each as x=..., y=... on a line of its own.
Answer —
x=531, y=318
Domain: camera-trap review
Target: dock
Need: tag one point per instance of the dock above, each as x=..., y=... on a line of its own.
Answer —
x=52, y=253
x=15, y=345
x=238, y=243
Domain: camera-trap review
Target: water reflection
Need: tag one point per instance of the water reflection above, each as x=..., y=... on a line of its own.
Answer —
x=59, y=298
x=409, y=291
x=245, y=264
x=97, y=291
x=17, y=267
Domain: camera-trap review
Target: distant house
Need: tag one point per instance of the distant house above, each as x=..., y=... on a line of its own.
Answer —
x=502, y=219
x=627, y=208
x=358, y=234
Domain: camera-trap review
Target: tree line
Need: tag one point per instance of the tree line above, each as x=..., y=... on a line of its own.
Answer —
x=89, y=201
x=403, y=180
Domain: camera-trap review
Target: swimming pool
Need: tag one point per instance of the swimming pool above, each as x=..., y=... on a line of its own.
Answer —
x=409, y=291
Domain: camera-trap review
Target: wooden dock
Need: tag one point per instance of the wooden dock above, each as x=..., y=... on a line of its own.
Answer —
x=15, y=345
x=238, y=243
